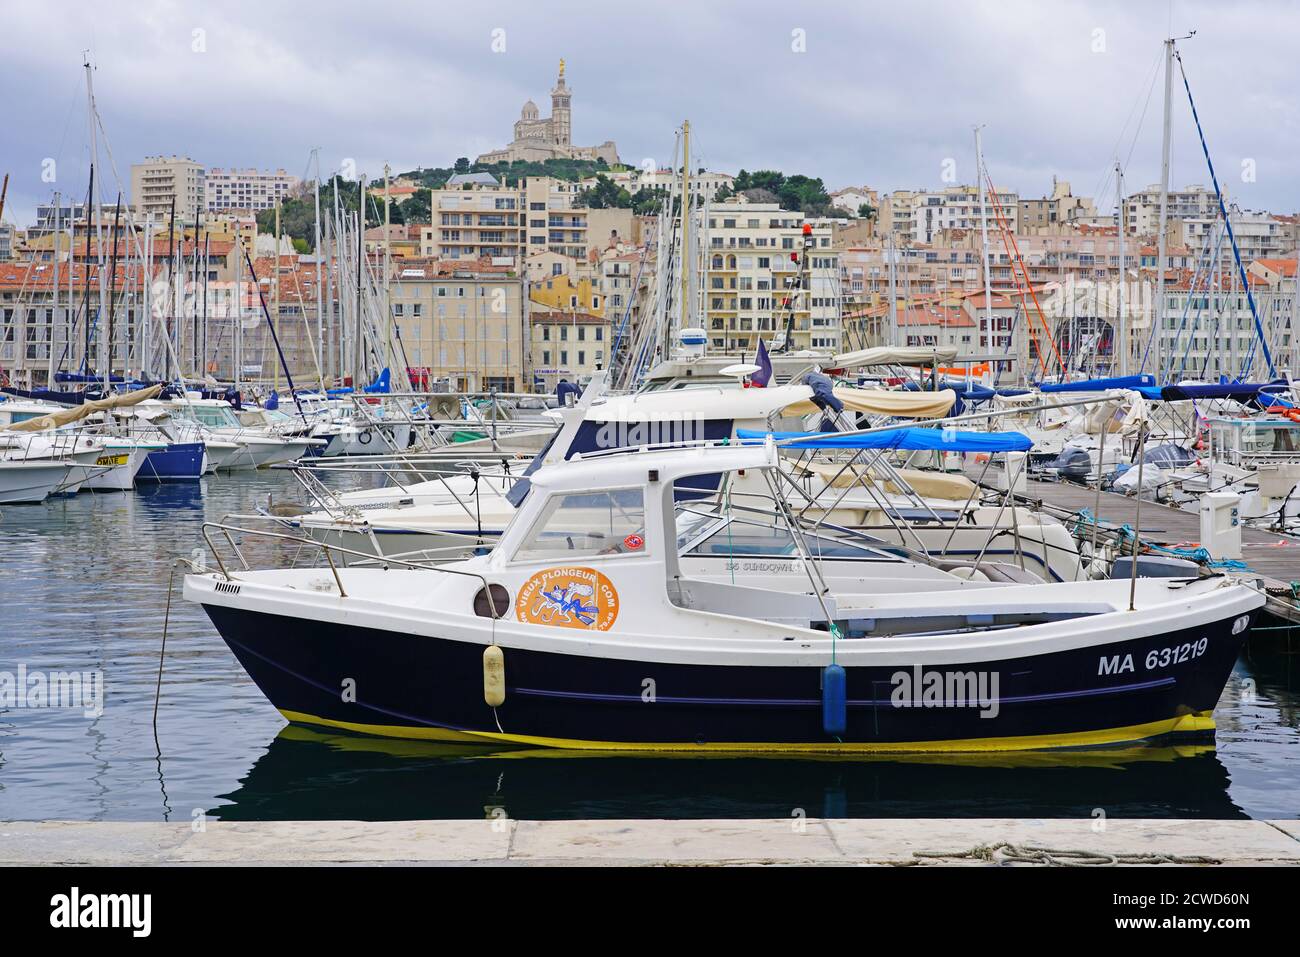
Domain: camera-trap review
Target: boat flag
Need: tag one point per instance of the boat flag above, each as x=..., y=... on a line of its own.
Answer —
x=760, y=378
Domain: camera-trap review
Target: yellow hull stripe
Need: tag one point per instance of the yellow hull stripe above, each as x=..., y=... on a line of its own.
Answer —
x=1201, y=722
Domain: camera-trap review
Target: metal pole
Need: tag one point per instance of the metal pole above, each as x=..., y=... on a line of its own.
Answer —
x=1161, y=241
x=1137, y=517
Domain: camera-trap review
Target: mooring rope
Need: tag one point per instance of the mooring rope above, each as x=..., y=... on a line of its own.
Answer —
x=1005, y=853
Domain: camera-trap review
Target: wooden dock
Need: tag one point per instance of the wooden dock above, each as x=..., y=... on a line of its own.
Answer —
x=1273, y=558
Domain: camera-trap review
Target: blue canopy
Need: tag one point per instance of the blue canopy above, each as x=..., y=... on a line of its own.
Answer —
x=911, y=438
x=1240, y=391
x=1099, y=385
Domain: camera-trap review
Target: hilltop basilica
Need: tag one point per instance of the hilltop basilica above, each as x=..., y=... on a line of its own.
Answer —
x=540, y=138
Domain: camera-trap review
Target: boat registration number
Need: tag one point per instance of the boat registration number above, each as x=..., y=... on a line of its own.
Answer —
x=1155, y=658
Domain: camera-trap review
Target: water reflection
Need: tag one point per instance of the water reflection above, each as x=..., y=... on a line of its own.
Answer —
x=306, y=773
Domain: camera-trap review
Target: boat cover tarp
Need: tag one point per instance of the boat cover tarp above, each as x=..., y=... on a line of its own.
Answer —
x=84, y=377
x=911, y=405
x=887, y=355
x=49, y=395
x=1099, y=385
x=86, y=409
x=911, y=439
x=1237, y=391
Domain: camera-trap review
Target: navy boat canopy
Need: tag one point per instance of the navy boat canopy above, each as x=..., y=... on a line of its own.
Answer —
x=911, y=439
x=1099, y=385
x=1237, y=391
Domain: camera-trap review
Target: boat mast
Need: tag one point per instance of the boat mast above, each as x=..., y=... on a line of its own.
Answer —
x=239, y=309
x=893, y=288
x=320, y=327
x=1161, y=241
x=54, y=316
x=1121, y=343
x=99, y=217
x=686, y=225
x=357, y=350
x=984, y=239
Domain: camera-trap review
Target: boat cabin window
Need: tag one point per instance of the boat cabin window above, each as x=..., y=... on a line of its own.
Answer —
x=587, y=524
x=213, y=416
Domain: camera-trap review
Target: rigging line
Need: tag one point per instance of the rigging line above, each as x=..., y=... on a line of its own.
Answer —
x=1203, y=263
x=1105, y=180
x=1236, y=251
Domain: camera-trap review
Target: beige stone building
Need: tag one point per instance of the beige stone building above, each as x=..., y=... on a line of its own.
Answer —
x=1061, y=207
x=747, y=275
x=507, y=224
x=567, y=345
x=465, y=323
x=159, y=180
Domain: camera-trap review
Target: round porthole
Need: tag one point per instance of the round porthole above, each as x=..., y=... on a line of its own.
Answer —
x=500, y=602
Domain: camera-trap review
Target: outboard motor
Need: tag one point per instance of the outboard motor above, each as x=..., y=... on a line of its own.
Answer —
x=1072, y=463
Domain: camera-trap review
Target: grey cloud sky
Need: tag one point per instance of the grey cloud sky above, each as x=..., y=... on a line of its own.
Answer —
x=884, y=93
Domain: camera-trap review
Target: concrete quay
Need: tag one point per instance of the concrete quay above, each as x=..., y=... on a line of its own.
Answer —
x=791, y=841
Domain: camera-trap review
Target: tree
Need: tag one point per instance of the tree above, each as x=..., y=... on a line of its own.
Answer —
x=462, y=165
x=866, y=211
x=605, y=194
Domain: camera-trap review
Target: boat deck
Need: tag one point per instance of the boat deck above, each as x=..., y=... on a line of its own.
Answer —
x=1273, y=557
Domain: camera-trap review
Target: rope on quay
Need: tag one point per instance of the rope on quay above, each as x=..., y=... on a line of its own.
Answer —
x=1004, y=853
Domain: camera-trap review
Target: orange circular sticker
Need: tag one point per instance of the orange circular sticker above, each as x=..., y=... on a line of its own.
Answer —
x=570, y=597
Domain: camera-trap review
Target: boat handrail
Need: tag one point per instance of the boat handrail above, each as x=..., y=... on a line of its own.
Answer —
x=327, y=548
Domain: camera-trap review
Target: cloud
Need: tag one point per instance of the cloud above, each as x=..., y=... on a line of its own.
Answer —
x=871, y=94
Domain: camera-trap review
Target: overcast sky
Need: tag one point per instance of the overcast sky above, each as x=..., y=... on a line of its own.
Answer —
x=881, y=94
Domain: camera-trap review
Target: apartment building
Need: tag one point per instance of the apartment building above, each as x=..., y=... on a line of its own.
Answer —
x=567, y=345
x=1258, y=235
x=1060, y=207
x=1191, y=202
x=465, y=322
x=748, y=273
x=246, y=189
x=958, y=207
x=486, y=220
x=895, y=216
x=160, y=180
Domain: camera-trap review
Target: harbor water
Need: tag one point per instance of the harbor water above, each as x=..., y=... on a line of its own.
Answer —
x=84, y=588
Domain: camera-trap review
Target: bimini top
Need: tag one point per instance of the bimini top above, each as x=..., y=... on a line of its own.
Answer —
x=890, y=356
x=911, y=438
x=626, y=469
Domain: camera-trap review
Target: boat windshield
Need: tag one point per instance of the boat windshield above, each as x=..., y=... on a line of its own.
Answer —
x=745, y=538
x=587, y=524
x=213, y=416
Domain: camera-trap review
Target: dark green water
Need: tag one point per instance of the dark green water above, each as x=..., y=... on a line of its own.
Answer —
x=83, y=586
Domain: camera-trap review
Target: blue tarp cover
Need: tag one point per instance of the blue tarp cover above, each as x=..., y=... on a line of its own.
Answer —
x=911, y=439
x=1099, y=385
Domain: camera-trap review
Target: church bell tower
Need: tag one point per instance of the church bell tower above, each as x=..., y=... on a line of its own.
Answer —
x=560, y=119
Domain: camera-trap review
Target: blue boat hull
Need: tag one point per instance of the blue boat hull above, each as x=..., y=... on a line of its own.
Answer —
x=176, y=463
